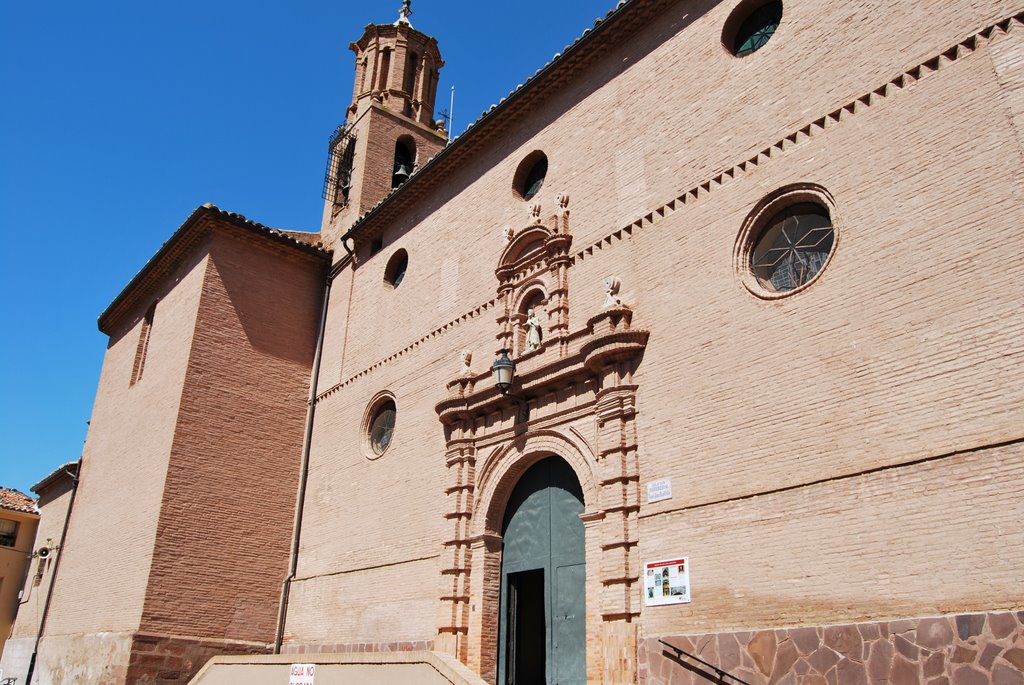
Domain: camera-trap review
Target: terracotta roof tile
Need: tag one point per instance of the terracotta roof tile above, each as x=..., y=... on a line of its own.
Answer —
x=15, y=500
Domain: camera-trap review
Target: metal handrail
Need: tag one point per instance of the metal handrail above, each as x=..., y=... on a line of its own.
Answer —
x=721, y=674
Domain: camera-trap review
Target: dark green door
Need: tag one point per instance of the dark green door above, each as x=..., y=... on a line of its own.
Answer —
x=542, y=631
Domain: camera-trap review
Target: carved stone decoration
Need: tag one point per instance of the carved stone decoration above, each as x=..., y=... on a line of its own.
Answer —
x=467, y=361
x=582, y=409
x=535, y=213
x=611, y=288
x=533, y=271
x=508, y=233
x=563, y=213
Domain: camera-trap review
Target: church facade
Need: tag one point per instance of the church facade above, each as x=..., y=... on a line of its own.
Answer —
x=697, y=357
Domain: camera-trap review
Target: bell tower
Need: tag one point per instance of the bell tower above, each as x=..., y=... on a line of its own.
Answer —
x=389, y=129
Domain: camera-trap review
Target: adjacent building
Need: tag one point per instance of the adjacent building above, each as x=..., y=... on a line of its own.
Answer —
x=19, y=518
x=56, y=496
x=700, y=353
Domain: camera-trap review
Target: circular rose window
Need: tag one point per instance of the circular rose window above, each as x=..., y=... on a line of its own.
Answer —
x=787, y=242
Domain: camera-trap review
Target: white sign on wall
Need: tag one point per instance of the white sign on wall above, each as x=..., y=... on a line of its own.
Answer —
x=302, y=674
x=667, y=582
x=658, y=490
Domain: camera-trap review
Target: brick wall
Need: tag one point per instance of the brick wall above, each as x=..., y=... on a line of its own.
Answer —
x=907, y=348
x=107, y=554
x=183, y=522
x=225, y=526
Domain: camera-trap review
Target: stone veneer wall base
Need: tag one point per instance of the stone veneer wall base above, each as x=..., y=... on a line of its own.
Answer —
x=961, y=649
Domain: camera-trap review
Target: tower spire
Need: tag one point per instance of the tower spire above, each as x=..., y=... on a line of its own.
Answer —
x=404, y=13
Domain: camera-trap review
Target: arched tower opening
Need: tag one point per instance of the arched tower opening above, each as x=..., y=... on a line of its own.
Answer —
x=396, y=70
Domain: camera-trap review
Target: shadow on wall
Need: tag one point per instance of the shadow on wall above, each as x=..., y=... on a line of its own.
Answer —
x=275, y=299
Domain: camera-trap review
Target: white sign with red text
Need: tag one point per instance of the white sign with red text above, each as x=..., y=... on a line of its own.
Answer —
x=301, y=674
x=667, y=582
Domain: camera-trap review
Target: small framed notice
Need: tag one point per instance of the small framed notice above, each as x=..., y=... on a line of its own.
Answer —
x=658, y=490
x=667, y=582
x=301, y=674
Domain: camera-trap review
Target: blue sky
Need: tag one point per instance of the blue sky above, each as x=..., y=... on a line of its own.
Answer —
x=119, y=118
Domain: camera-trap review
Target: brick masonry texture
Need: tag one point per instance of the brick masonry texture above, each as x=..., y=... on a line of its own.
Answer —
x=165, y=660
x=903, y=350
x=907, y=349
x=964, y=649
x=849, y=455
x=198, y=552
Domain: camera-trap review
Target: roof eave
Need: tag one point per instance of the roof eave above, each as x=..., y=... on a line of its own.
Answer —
x=203, y=212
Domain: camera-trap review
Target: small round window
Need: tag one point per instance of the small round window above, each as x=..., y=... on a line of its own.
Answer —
x=382, y=427
x=787, y=242
x=394, y=272
x=530, y=175
x=751, y=26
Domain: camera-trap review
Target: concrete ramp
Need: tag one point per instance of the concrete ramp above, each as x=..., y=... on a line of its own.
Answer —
x=364, y=668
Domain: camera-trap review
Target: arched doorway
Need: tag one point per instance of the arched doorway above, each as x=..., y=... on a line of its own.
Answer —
x=542, y=625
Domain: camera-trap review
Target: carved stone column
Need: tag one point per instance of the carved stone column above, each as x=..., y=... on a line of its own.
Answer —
x=613, y=356
x=460, y=460
x=506, y=327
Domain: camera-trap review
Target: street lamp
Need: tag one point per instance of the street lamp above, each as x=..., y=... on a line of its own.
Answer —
x=504, y=370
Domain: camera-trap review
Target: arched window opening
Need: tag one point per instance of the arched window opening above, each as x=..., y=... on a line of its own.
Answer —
x=143, y=346
x=404, y=160
x=344, y=173
x=385, y=67
x=409, y=81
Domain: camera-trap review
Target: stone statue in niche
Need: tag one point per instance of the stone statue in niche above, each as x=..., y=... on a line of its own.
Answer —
x=467, y=360
x=533, y=331
x=611, y=288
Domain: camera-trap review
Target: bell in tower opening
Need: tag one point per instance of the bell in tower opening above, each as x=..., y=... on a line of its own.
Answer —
x=389, y=124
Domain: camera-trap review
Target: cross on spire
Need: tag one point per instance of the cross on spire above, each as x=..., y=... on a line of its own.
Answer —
x=404, y=13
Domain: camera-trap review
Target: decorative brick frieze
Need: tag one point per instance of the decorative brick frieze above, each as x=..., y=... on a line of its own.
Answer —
x=962, y=649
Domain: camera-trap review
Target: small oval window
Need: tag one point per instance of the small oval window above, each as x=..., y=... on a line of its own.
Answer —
x=748, y=30
x=394, y=273
x=382, y=427
x=530, y=175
